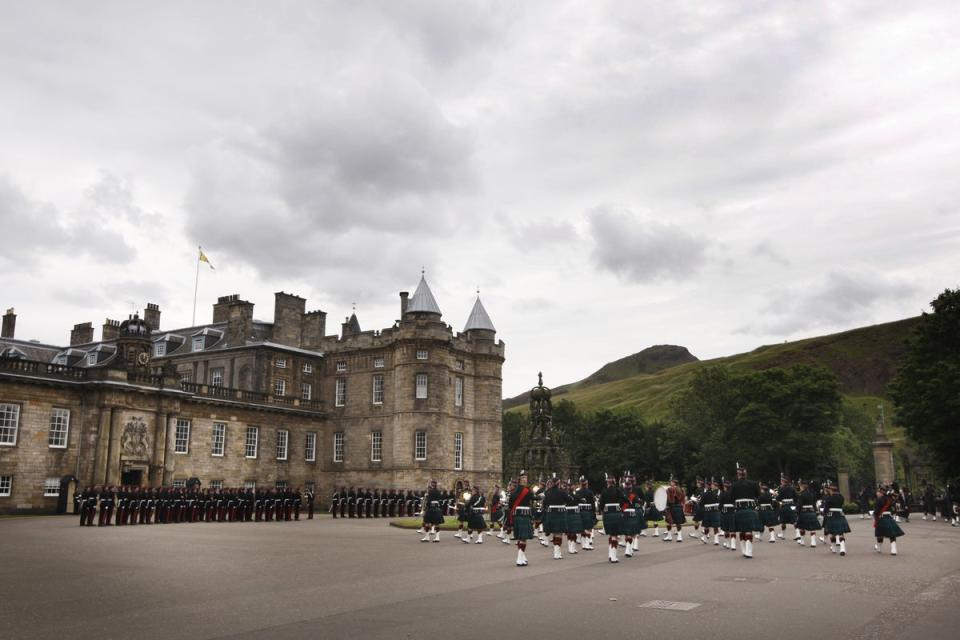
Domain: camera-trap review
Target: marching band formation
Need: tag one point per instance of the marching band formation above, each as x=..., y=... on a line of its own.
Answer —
x=733, y=514
x=130, y=505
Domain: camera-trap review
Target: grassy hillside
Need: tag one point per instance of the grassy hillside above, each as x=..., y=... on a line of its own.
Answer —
x=863, y=359
x=651, y=360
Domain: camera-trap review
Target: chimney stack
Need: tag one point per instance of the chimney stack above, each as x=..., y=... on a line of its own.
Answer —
x=9, y=324
x=404, y=296
x=151, y=315
x=111, y=329
x=82, y=333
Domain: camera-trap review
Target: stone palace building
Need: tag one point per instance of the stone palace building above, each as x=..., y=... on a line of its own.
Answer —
x=241, y=402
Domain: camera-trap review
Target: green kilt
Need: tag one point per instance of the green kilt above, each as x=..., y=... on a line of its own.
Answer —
x=652, y=514
x=836, y=524
x=496, y=516
x=808, y=521
x=475, y=522
x=613, y=523
x=522, y=527
x=433, y=515
x=747, y=520
x=728, y=521
x=698, y=512
x=631, y=523
x=711, y=519
x=788, y=514
x=574, y=523
x=769, y=517
x=555, y=522
x=641, y=519
x=676, y=513
x=887, y=527
x=462, y=515
x=588, y=520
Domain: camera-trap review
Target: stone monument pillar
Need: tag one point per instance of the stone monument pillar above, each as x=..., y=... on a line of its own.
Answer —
x=540, y=454
x=883, y=454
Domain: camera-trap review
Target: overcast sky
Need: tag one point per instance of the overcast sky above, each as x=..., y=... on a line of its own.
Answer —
x=610, y=175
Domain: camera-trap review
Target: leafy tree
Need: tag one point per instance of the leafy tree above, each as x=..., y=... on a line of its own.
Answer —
x=926, y=389
x=513, y=426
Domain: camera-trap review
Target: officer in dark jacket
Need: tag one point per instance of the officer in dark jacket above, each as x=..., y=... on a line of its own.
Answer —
x=746, y=496
x=787, y=497
x=612, y=499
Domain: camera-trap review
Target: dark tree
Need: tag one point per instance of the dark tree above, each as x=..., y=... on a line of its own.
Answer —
x=926, y=389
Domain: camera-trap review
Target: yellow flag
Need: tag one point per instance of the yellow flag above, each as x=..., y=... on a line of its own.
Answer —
x=204, y=258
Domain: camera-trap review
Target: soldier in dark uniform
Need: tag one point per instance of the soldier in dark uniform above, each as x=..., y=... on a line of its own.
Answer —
x=121, y=506
x=695, y=495
x=106, y=506
x=554, y=514
x=728, y=515
x=612, y=499
x=519, y=507
x=787, y=497
x=674, y=512
x=928, y=497
x=807, y=520
x=433, y=516
x=335, y=502
x=746, y=496
x=651, y=513
x=496, y=510
x=574, y=525
x=135, y=500
x=88, y=506
x=308, y=494
x=834, y=522
x=632, y=509
x=296, y=499
x=769, y=517
x=508, y=514
x=78, y=500
x=883, y=523
x=351, y=503
x=587, y=506
x=710, y=510
x=475, y=507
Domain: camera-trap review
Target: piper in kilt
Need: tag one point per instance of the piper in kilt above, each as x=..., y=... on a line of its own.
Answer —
x=727, y=516
x=807, y=520
x=496, y=511
x=698, y=489
x=433, y=515
x=674, y=512
x=462, y=514
x=787, y=497
x=834, y=522
x=883, y=523
x=746, y=495
x=555, y=515
x=651, y=513
x=508, y=514
x=632, y=507
x=588, y=514
x=710, y=504
x=520, y=513
x=611, y=498
x=573, y=521
x=475, y=507
x=768, y=514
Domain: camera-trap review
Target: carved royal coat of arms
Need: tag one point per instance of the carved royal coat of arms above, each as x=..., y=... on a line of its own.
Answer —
x=135, y=441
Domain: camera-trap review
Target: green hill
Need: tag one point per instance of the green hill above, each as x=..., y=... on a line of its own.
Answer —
x=650, y=360
x=864, y=360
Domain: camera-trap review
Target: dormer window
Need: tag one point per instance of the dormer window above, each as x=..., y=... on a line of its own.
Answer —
x=159, y=349
x=91, y=358
x=60, y=359
x=197, y=344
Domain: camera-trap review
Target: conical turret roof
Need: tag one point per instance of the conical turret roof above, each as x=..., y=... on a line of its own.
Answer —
x=478, y=318
x=422, y=300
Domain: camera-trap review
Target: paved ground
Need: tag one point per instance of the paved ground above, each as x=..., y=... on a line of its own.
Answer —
x=362, y=579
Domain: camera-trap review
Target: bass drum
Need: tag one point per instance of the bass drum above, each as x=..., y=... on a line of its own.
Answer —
x=660, y=498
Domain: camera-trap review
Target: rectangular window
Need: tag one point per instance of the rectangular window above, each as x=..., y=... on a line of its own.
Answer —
x=216, y=377
x=459, y=365
x=181, y=442
x=281, y=363
x=378, y=389
x=197, y=343
x=159, y=349
x=308, y=368
x=422, y=354
x=51, y=487
x=378, y=363
x=310, y=486
x=280, y=484
x=421, y=386
x=6, y=486
x=280, y=387
x=310, y=450
x=283, y=436
x=9, y=423
x=59, y=428
x=458, y=392
x=249, y=484
x=376, y=446
x=338, y=446
x=341, y=366
x=180, y=484
x=341, y=398
x=219, y=438
x=216, y=484
x=250, y=444
x=306, y=390
x=420, y=445
x=92, y=358
x=458, y=451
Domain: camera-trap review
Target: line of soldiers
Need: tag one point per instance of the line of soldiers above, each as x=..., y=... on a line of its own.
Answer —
x=378, y=503
x=129, y=505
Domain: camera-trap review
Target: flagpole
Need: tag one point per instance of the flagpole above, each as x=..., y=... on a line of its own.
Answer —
x=196, y=283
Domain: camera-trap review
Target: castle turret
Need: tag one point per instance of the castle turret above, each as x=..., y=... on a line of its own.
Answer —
x=479, y=326
x=422, y=303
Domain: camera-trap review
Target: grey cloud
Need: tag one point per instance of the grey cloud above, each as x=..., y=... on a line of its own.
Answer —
x=642, y=250
x=839, y=298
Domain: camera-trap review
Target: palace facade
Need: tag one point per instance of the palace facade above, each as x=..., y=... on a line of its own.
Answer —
x=241, y=402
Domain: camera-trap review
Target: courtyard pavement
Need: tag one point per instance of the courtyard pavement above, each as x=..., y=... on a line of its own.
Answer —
x=330, y=578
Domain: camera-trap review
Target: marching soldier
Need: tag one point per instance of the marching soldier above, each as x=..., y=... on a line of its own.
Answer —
x=631, y=515
x=475, y=507
x=834, y=522
x=433, y=516
x=586, y=503
x=106, y=506
x=710, y=510
x=769, y=517
x=674, y=512
x=496, y=510
x=574, y=525
x=555, y=514
x=746, y=494
x=508, y=514
x=520, y=513
x=728, y=516
x=612, y=497
x=883, y=523
x=651, y=514
x=807, y=520
x=695, y=495
x=787, y=497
